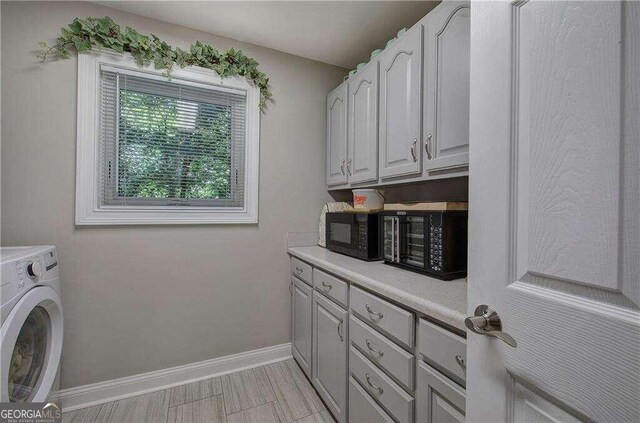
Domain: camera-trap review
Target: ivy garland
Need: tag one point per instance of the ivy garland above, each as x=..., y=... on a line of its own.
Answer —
x=99, y=33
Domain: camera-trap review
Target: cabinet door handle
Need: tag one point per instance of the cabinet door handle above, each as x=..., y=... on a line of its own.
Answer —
x=375, y=313
x=378, y=388
x=340, y=330
x=461, y=362
x=349, y=167
x=327, y=286
x=380, y=353
x=342, y=167
x=427, y=146
x=413, y=150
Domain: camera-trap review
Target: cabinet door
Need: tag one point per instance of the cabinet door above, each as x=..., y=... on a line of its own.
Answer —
x=439, y=400
x=337, y=136
x=362, y=165
x=400, y=105
x=446, y=83
x=301, y=324
x=330, y=354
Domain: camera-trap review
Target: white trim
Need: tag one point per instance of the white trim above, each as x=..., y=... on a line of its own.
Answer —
x=88, y=210
x=116, y=389
x=187, y=80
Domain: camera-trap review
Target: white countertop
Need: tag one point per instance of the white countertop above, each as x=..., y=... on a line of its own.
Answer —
x=445, y=301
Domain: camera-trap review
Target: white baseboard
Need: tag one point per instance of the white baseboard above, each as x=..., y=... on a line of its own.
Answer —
x=112, y=390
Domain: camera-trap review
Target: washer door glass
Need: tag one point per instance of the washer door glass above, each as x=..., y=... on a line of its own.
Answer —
x=29, y=355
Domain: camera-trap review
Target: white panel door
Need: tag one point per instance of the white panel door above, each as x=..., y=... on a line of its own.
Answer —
x=301, y=324
x=337, y=136
x=447, y=42
x=330, y=341
x=400, y=105
x=555, y=193
x=362, y=165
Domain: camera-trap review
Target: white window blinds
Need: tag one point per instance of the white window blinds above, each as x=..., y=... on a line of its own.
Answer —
x=169, y=142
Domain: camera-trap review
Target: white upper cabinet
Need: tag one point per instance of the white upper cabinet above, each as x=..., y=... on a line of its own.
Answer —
x=446, y=86
x=405, y=115
x=337, y=136
x=400, y=101
x=362, y=164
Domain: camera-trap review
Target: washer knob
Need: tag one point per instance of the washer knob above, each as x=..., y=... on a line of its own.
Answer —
x=34, y=269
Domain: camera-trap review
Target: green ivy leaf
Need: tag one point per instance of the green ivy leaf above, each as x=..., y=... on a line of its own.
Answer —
x=99, y=33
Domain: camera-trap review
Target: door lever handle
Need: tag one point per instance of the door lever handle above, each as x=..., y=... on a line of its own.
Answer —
x=485, y=321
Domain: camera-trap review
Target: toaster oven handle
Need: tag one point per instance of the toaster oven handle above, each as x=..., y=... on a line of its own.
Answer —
x=393, y=239
x=397, y=240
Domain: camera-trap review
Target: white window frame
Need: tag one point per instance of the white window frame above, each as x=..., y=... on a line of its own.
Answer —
x=88, y=208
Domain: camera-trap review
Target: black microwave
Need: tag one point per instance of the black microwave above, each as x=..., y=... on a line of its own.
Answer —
x=430, y=242
x=354, y=234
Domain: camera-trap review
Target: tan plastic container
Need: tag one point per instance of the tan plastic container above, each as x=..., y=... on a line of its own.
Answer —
x=367, y=200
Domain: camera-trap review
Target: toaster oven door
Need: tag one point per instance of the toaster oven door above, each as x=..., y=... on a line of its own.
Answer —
x=413, y=244
x=389, y=238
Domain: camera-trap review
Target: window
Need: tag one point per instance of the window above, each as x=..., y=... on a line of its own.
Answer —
x=153, y=149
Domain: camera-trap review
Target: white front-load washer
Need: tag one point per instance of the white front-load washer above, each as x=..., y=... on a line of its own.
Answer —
x=32, y=323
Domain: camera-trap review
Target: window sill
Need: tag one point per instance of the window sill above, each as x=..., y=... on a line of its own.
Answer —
x=165, y=217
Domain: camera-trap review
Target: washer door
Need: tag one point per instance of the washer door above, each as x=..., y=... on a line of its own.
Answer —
x=31, y=346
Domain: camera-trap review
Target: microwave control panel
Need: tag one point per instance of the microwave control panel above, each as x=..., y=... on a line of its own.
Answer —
x=362, y=236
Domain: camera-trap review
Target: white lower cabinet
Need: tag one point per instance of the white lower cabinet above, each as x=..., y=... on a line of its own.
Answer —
x=330, y=340
x=301, y=324
x=439, y=400
x=366, y=363
x=362, y=408
x=381, y=387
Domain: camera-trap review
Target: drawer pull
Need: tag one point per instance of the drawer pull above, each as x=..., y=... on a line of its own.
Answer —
x=375, y=313
x=340, y=330
x=378, y=388
x=380, y=353
x=327, y=286
x=461, y=362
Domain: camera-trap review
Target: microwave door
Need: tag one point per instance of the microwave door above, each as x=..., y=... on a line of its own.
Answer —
x=340, y=233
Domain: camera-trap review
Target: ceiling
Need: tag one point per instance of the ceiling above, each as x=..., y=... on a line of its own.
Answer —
x=341, y=33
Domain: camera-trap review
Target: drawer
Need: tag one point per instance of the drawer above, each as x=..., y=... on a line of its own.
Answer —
x=383, y=352
x=380, y=386
x=331, y=287
x=302, y=270
x=443, y=349
x=439, y=399
x=362, y=408
x=381, y=314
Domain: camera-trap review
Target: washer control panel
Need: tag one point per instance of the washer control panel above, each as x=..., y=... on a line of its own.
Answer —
x=34, y=268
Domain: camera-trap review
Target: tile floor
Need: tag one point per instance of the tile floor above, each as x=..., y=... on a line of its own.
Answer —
x=278, y=393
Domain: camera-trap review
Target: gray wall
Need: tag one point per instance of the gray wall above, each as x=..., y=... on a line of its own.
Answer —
x=137, y=299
